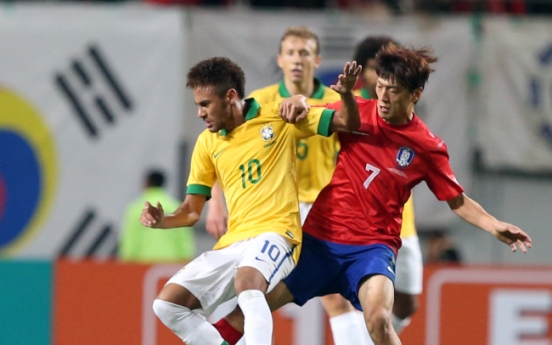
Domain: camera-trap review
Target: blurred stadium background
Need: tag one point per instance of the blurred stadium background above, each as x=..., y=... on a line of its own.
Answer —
x=92, y=95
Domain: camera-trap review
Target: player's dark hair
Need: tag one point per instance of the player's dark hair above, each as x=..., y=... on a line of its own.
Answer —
x=369, y=47
x=408, y=67
x=155, y=178
x=301, y=32
x=219, y=72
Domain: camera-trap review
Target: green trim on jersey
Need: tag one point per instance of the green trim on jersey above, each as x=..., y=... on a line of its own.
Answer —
x=317, y=94
x=252, y=112
x=325, y=122
x=199, y=189
x=364, y=93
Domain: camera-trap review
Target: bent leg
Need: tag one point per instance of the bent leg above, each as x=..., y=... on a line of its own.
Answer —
x=267, y=260
x=174, y=307
x=376, y=297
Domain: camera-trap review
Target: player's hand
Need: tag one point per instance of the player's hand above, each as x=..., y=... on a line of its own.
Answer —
x=347, y=81
x=294, y=109
x=217, y=221
x=152, y=216
x=512, y=236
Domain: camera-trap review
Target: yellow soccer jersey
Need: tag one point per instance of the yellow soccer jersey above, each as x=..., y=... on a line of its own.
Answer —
x=316, y=155
x=408, y=225
x=256, y=167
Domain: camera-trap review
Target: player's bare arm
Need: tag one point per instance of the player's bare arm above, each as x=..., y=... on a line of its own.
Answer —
x=347, y=119
x=469, y=210
x=186, y=215
x=217, y=215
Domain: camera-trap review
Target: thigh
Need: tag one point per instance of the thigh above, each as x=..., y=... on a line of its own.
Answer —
x=376, y=292
x=409, y=269
x=271, y=255
x=317, y=272
x=210, y=277
x=375, y=260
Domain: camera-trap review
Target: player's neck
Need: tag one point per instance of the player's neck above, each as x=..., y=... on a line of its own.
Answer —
x=400, y=120
x=239, y=110
x=305, y=88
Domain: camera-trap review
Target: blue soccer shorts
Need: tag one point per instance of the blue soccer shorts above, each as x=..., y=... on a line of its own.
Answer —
x=326, y=268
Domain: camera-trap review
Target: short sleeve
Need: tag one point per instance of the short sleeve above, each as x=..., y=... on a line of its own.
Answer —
x=440, y=177
x=202, y=170
x=318, y=121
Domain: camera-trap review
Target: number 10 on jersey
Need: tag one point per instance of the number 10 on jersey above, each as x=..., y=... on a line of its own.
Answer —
x=253, y=172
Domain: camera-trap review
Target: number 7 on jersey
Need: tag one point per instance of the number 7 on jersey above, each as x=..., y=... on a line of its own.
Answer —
x=373, y=171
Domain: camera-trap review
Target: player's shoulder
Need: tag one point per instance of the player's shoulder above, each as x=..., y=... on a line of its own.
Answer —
x=266, y=94
x=425, y=137
x=330, y=95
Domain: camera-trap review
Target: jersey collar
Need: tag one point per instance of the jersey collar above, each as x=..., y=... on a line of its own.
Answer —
x=317, y=94
x=252, y=111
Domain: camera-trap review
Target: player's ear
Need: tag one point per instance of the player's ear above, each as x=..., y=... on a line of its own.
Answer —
x=280, y=61
x=417, y=94
x=232, y=96
x=317, y=61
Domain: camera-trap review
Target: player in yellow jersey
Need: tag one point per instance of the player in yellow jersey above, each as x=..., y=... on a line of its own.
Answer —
x=251, y=151
x=299, y=56
x=409, y=268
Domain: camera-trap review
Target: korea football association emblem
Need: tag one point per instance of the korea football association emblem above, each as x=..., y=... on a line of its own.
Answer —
x=405, y=156
x=267, y=132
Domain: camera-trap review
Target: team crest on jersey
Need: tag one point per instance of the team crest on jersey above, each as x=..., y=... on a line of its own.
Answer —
x=405, y=156
x=267, y=132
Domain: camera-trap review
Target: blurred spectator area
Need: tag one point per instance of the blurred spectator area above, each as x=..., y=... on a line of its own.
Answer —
x=394, y=6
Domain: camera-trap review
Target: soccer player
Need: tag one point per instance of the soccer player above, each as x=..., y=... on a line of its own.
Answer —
x=352, y=233
x=250, y=150
x=409, y=268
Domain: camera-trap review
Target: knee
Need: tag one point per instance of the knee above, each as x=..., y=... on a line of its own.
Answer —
x=378, y=322
x=163, y=310
x=249, y=278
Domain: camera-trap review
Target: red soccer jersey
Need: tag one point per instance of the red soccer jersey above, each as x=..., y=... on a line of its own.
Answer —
x=377, y=167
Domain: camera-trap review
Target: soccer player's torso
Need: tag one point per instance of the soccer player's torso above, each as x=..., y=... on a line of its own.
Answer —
x=255, y=165
x=316, y=155
x=376, y=169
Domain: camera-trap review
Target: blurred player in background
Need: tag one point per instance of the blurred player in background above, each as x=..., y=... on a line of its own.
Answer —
x=251, y=151
x=352, y=233
x=140, y=244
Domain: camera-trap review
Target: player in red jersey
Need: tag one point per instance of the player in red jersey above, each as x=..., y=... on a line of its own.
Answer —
x=351, y=235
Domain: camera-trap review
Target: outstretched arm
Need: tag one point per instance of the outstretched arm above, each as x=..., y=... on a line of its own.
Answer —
x=187, y=213
x=473, y=213
x=347, y=118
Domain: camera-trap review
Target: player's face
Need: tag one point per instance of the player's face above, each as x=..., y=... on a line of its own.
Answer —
x=395, y=102
x=370, y=77
x=298, y=59
x=211, y=108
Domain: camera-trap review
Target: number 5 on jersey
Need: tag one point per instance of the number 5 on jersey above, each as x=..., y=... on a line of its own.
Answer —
x=253, y=172
x=373, y=172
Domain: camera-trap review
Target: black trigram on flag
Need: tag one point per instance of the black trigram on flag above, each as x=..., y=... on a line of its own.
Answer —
x=91, y=87
x=88, y=239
